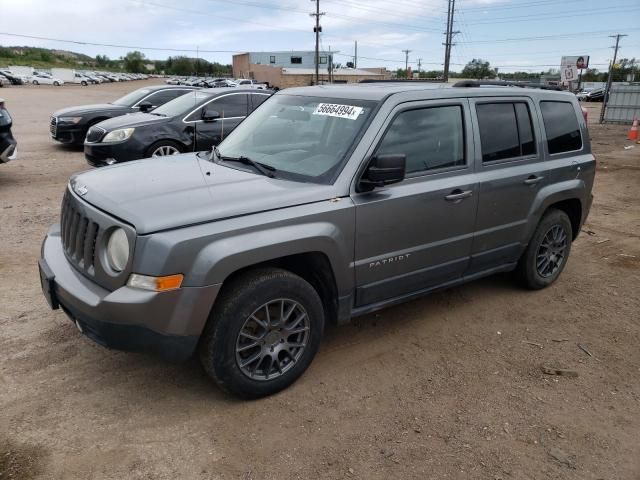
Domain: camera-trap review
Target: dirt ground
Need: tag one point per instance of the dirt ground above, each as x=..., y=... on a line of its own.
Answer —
x=449, y=386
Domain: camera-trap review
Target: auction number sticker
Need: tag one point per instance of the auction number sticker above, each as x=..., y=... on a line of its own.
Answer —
x=341, y=111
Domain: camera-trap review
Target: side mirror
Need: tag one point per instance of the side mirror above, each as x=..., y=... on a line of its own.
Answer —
x=210, y=115
x=145, y=106
x=383, y=170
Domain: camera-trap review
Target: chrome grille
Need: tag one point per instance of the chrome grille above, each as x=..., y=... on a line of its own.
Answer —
x=79, y=235
x=95, y=134
x=53, y=126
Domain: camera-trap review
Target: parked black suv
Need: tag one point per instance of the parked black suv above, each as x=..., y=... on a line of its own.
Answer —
x=192, y=122
x=70, y=125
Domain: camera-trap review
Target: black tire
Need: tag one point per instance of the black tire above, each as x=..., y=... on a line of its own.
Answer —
x=56, y=84
x=237, y=304
x=539, y=267
x=163, y=143
x=83, y=83
x=35, y=82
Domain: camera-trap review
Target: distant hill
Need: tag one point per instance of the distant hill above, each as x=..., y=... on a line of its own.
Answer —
x=44, y=57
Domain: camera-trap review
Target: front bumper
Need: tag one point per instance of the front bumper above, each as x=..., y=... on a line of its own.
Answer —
x=68, y=134
x=167, y=324
x=9, y=153
x=103, y=154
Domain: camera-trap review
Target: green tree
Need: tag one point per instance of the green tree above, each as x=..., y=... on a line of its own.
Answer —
x=478, y=68
x=134, y=62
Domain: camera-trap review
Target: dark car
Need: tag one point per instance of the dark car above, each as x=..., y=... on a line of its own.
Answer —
x=8, y=144
x=13, y=79
x=192, y=122
x=70, y=125
x=596, y=95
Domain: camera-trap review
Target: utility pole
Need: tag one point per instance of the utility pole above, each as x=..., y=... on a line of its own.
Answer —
x=610, y=77
x=419, y=65
x=449, y=38
x=355, y=56
x=406, y=62
x=317, y=29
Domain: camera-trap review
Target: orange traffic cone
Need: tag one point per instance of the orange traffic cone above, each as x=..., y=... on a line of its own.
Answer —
x=633, y=133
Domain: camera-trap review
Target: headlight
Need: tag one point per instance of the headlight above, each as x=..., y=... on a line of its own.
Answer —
x=73, y=120
x=118, y=250
x=118, y=135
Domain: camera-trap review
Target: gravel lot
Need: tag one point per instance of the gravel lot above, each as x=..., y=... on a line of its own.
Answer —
x=443, y=387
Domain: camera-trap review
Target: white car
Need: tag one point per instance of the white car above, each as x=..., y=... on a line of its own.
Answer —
x=42, y=79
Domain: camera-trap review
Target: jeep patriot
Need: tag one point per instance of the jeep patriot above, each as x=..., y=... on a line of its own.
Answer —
x=325, y=203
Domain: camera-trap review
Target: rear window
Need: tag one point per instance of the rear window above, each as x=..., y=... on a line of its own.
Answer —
x=561, y=126
x=505, y=130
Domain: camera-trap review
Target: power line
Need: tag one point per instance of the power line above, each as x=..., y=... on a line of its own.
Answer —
x=134, y=47
x=553, y=15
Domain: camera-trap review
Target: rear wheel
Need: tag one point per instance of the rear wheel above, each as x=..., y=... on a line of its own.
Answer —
x=35, y=82
x=263, y=333
x=83, y=83
x=57, y=84
x=164, y=148
x=547, y=252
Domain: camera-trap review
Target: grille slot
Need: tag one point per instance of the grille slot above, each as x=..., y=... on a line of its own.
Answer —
x=95, y=134
x=53, y=126
x=79, y=235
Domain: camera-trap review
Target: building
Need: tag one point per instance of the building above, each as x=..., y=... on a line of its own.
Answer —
x=297, y=69
x=286, y=59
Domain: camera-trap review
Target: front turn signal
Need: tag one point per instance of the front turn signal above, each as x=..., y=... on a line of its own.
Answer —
x=155, y=284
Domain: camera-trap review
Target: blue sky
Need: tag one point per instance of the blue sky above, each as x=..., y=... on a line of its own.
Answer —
x=511, y=34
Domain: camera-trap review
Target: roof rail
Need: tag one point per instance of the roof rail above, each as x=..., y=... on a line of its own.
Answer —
x=422, y=80
x=504, y=83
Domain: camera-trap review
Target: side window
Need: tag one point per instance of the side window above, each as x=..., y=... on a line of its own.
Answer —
x=230, y=105
x=296, y=59
x=430, y=138
x=506, y=130
x=257, y=99
x=561, y=126
x=272, y=59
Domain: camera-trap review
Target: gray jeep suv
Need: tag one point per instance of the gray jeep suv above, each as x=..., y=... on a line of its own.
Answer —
x=325, y=203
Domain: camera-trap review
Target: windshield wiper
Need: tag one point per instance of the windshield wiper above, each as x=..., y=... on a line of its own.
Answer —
x=264, y=169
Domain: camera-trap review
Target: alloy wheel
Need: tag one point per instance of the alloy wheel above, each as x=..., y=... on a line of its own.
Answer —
x=551, y=252
x=165, y=150
x=272, y=339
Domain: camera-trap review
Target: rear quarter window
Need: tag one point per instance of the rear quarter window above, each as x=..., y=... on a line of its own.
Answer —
x=561, y=126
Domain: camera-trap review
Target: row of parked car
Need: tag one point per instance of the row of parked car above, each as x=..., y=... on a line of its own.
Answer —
x=216, y=82
x=155, y=121
x=8, y=77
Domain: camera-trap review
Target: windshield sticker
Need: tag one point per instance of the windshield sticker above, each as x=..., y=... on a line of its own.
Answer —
x=340, y=111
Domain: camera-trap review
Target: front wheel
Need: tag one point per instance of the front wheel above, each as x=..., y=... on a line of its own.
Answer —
x=547, y=252
x=35, y=82
x=57, y=84
x=163, y=148
x=263, y=333
x=83, y=83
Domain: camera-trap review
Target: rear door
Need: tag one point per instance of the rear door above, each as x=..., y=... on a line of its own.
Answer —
x=232, y=107
x=417, y=234
x=511, y=171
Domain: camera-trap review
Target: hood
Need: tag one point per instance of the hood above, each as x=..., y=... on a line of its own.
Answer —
x=137, y=119
x=84, y=109
x=175, y=191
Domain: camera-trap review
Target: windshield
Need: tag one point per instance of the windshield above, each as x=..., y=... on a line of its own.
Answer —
x=303, y=138
x=132, y=98
x=181, y=105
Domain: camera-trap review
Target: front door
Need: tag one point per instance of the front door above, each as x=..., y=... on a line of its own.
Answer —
x=417, y=234
x=232, y=109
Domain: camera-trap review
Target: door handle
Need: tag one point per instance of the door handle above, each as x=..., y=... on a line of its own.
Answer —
x=533, y=179
x=458, y=194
